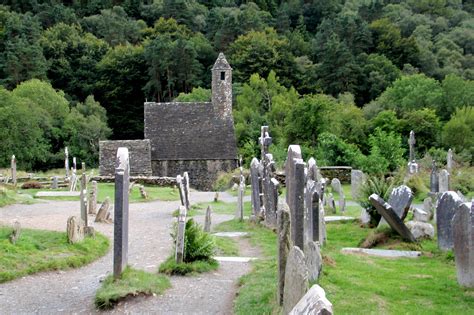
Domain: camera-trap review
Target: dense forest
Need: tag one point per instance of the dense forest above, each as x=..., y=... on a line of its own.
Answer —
x=347, y=80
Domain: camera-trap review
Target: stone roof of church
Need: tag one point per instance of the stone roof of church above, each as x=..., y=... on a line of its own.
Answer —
x=221, y=63
x=188, y=131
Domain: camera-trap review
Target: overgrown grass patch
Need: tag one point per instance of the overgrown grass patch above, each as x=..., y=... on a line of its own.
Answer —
x=38, y=250
x=8, y=196
x=171, y=267
x=218, y=207
x=226, y=246
x=132, y=283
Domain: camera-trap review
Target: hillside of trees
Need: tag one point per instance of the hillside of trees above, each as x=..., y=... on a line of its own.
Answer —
x=347, y=80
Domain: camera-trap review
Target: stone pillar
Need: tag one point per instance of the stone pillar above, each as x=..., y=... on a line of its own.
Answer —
x=448, y=203
x=443, y=181
x=207, y=221
x=283, y=223
x=239, y=214
x=83, y=167
x=122, y=181
x=434, y=180
x=314, y=214
x=54, y=184
x=297, y=224
x=66, y=161
x=93, y=198
x=13, y=170
x=179, y=255
x=271, y=212
x=179, y=182
x=74, y=165
x=294, y=152
x=254, y=181
x=463, y=235
x=186, y=190
x=83, y=198
x=449, y=160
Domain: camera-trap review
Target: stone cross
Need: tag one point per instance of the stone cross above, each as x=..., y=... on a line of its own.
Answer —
x=434, y=180
x=265, y=141
x=66, y=161
x=54, y=184
x=255, y=183
x=180, y=237
x=448, y=203
x=283, y=228
x=411, y=143
x=463, y=236
x=449, y=160
x=74, y=165
x=13, y=169
x=122, y=181
x=83, y=199
x=443, y=180
x=93, y=198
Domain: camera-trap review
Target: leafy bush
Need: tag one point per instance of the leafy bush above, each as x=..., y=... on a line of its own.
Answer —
x=170, y=266
x=31, y=185
x=224, y=181
x=463, y=180
x=417, y=185
x=458, y=132
x=374, y=185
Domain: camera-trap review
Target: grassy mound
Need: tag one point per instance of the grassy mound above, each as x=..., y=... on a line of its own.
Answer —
x=132, y=283
x=170, y=266
x=38, y=250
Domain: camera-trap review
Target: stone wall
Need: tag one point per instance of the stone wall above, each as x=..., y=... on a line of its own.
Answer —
x=144, y=180
x=140, y=156
x=202, y=173
x=343, y=173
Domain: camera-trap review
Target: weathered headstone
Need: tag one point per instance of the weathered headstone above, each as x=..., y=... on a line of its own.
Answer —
x=179, y=181
x=412, y=165
x=434, y=180
x=15, y=234
x=400, y=200
x=420, y=215
x=83, y=199
x=93, y=198
x=186, y=190
x=13, y=169
x=313, y=260
x=296, y=279
x=357, y=180
x=271, y=212
x=313, y=170
x=180, y=237
x=207, y=220
x=122, y=180
x=314, y=302
x=54, y=183
x=443, y=180
x=83, y=167
x=294, y=152
x=448, y=203
x=386, y=211
x=103, y=215
x=74, y=165
x=449, y=160
x=463, y=236
x=336, y=185
x=255, y=183
x=143, y=192
x=428, y=206
x=75, y=230
x=297, y=218
x=314, y=218
x=331, y=203
x=283, y=223
x=66, y=161
x=239, y=213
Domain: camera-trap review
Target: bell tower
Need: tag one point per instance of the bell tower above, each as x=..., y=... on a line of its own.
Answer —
x=222, y=87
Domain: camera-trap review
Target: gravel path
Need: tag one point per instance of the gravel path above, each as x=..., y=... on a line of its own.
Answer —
x=73, y=291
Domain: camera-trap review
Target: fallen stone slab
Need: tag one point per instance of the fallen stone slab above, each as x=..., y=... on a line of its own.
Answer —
x=313, y=302
x=338, y=218
x=230, y=234
x=235, y=259
x=58, y=194
x=381, y=252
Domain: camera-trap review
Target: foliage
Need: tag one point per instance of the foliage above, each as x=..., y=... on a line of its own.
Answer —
x=171, y=267
x=196, y=95
x=374, y=185
x=131, y=283
x=417, y=185
x=458, y=133
x=463, y=180
x=38, y=250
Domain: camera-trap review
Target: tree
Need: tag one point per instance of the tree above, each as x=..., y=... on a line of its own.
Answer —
x=458, y=133
x=425, y=123
x=457, y=93
x=196, y=95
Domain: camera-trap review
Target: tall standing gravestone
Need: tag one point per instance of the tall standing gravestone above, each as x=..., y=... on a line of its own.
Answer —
x=283, y=223
x=448, y=203
x=412, y=165
x=449, y=160
x=463, y=235
x=271, y=212
x=443, y=180
x=66, y=161
x=180, y=237
x=83, y=198
x=93, y=198
x=255, y=183
x=13, y=169
x=296, y=279
x=122, y=182
x=297, y=223
x=434, y=180
x=357, y=179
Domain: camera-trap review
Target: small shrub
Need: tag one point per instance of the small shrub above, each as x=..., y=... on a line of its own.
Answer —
x=374, y=185
x=31, y=185
x=170, y=266
x=224, y=181
x=417, y=185
x=463, y=180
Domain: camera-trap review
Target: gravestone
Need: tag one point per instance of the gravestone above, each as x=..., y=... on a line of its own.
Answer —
x=255, y=183
x=314, y=302
x=336, y=185
x=283, y=226
x=143, y=192
x=239, y=214
x=271, y=212
x=297, y=219
x=93, y=198
x=357, y=180
x=443, y=181
x=434, y=179
x=315, y=220
x=265, y=140
x=13, y=170
x=179, y=181
x=83, y=167
x=207, y=220
x=66, y=161
x=103, y=215
x=83, y=199
x=186, y=190
x=313, y=170
x=463, y=236
x=449, y=160
x=420, y=215
x=269, y=166
x=420, y=230
x=331, y=203
x=448, y=203
x=74, y=165
x=180, y=237
x=15, y=234
x=412, y=165
x=75, y=230
x=54, y=184
x=122, y=181
x=400, y=200
x=294, y=152
x=428, y=206
x=296, y=279
x=386, y=211
x=313, y=260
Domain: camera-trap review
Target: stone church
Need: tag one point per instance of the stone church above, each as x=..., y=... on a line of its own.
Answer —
x=197, y=137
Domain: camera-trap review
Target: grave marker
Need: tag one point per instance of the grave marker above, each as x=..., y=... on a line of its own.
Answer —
x=66, y=161
x=255, y=183
x=357, y=180
x=207, y=221
x=297, y=220
x=434, y=180
x=313, y=302
x=54, y=184
x=13, y=170
x=449, y=160
x=180, y=237
x=296, y=279
x=448, y=203
x=412, y=165
x=83, y=199
x=463, y=236
x=443, y=181
x=93, y=198
x=283, y=223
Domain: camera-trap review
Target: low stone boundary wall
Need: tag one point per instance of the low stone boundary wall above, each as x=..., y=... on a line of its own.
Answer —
x=144, y=180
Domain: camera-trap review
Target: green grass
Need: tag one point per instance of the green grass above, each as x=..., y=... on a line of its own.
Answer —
x=38, y=250
x=218, y=207
x=226, y=246
x=108, y=190
x=170, y=267
x=132, y=283
x=8, y=196
x=235, y=193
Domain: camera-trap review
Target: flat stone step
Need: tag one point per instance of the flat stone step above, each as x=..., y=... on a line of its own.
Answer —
x=235, y=259
x=58, y=194
x=381, y=252
x=230, y=234
x=337, y=218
